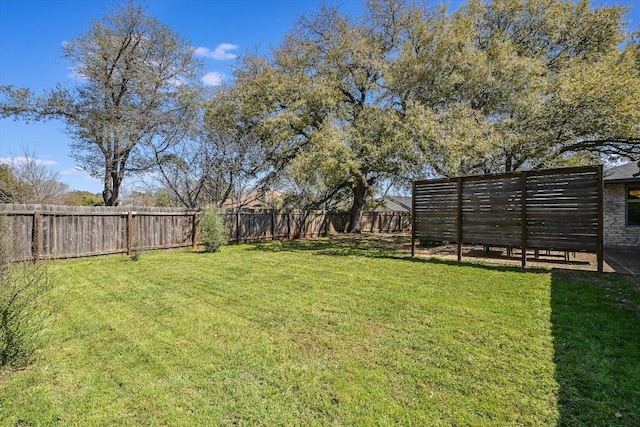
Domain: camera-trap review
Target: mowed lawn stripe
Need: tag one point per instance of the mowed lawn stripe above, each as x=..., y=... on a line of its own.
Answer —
x=323, y=332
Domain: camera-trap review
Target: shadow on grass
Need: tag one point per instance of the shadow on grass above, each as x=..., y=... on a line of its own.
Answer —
x=546, y=258
x=396, y=247
x=596, y=332
x=487, y=266
x=383, y=246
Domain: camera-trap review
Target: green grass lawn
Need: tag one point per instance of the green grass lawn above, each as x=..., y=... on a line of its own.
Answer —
x=329, y=332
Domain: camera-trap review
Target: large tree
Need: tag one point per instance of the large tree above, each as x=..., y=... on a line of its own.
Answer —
x=513, y=84
x=136, y=87
x=322, y=105
x=344, y=104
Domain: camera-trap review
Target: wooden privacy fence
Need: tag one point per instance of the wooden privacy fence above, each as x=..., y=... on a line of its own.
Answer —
x=51, y=231
x=554, y=209
x=263, y=224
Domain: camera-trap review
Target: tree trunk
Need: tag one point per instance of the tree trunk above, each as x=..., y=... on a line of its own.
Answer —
x=359, y=199
x=111, y=190
x=508, y=166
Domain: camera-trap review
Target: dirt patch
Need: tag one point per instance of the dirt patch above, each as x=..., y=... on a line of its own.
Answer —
x=625, y=263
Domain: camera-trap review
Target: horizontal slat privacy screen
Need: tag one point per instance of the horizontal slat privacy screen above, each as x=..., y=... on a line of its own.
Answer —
x=556, y=209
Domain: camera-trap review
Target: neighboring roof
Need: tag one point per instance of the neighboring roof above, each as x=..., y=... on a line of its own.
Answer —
x=395, y=204
x=255, y=200
x=629, y=172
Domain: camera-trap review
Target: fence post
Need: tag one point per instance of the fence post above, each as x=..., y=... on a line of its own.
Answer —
x=414, y=221
x=273, y=224
x=194, y=233
x=459, y=220
x=600, y=242
x=35, y=237
x=325, y=223
x=238, y=225
x=129, y=232
x=523, y=219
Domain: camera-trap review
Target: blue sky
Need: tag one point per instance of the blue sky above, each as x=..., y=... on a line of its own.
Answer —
x=32, y=33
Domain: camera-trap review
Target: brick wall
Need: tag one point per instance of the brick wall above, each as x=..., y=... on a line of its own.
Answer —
x=616, y=233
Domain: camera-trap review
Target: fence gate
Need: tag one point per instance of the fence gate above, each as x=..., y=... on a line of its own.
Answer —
x=554, y=209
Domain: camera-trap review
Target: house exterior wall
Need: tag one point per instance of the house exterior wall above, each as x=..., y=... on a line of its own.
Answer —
x=616, y=232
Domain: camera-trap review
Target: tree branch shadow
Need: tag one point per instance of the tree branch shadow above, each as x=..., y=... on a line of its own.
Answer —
x=382, y=246
x=397, y=247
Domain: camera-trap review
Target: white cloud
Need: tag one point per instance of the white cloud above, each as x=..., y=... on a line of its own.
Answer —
x=221, y=51
x=72, y=171
x=212, y=79
x=21, y=160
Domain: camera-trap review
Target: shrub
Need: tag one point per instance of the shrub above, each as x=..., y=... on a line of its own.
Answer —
x=136, y=253
x=25, y=301
x=214, y=231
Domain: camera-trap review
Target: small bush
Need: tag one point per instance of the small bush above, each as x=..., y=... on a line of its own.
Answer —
x=25, y=301
x=214, y=232
x=137, y=253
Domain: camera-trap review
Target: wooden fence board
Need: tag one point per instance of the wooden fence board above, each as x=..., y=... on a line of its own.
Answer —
x=73, y=231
